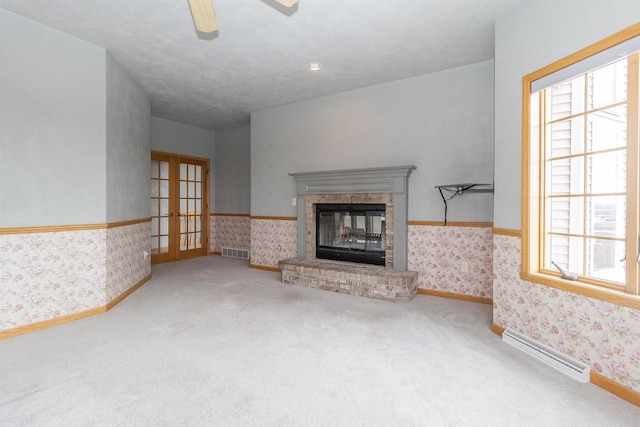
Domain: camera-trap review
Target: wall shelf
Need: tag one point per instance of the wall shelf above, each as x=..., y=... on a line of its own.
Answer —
x=467, y=188
x=460, y=189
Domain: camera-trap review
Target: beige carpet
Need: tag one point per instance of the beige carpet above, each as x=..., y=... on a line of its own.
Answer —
x=210, y=342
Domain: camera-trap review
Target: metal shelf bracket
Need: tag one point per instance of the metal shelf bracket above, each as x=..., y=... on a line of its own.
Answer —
x=460, y=189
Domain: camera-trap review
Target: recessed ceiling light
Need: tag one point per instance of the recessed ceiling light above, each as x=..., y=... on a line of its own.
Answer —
x=314, y=66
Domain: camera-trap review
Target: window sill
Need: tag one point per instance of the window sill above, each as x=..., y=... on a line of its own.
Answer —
x=581, y=288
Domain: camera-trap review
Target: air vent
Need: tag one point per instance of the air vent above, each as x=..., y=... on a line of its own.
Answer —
x=235, y=253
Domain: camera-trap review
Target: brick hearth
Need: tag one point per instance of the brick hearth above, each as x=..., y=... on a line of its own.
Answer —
x=350, y=278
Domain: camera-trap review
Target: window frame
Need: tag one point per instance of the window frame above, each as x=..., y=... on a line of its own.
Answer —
x=533, y=205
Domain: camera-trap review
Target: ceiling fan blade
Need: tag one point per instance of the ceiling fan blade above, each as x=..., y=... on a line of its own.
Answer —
x=203, y=15
x=287, y=3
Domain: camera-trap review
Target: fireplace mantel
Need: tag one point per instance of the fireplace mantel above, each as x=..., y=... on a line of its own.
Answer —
x=392, y=180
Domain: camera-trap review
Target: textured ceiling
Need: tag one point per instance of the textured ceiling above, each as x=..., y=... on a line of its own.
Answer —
x=258, y=57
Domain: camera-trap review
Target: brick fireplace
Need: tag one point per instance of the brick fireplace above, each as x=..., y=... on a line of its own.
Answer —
x=386, y=185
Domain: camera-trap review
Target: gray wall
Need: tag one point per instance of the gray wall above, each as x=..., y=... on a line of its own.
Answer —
x=179, y=138
x=128, y=146
x=52, y=126
x=233, y=170
x=521, y=48
x=442, y=122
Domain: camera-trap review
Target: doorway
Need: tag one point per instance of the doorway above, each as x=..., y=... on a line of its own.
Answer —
x=179, y=207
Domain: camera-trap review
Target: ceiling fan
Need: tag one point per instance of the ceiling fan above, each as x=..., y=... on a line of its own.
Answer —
x=205, y=17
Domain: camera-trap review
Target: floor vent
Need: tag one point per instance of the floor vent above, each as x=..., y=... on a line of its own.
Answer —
x=235, y=253
x=565, y=364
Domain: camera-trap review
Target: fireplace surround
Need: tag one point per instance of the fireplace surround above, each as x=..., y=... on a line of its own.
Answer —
x=384, y=185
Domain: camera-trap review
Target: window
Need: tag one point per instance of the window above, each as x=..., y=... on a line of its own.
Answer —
x=581, y=169
x=584, y=146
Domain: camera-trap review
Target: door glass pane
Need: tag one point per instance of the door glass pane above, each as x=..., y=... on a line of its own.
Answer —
x=164, y=244
x=154, y=227
x=154, y=207
x=154, y=188
x=192, y=206
x=183, y=206
x=164, y=207
x=192, y=172
x=192, y=189
x=183, y=224
x=198, y=206
x=198, y=193
x=164, y=225
x=198, y=173
x=164, y=188
x=154, y=169
x=164, y=170
x=198, y=242
x=183, y=189
x=183, y=172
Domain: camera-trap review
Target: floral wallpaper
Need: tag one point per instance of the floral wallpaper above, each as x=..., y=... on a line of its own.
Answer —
x=273, y=240
x=601, y=334
x=53, y=274
x=126, y=264
x=230, y=232
x=48, y=275
x=437, y=254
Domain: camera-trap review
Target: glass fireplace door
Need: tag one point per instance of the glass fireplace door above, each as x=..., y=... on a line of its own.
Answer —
x=352, y=233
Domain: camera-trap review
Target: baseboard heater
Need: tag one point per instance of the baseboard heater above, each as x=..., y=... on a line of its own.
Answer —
x=563, y=363
x=235, y=253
